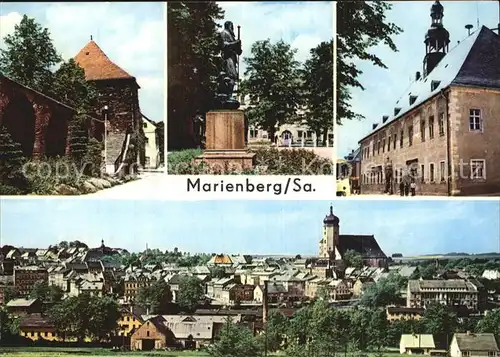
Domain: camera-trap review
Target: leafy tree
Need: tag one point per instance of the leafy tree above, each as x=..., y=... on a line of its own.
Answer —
x=63, y=245
x=190, y=292
x=491, y=323
x=193, y=62
x=317, y=76
x=235, y=341
x=378, y=329
x=273, y=84
x=86, y=316
x=428, y=272
x=353, y=259
x=277, y=324
x=10, y=293
x=29, y=55
x=360, y=26
x=439, y=320
x=218, y=272
x=386, y=291
x=157, y=296
x=40, y=290
x=78, y=244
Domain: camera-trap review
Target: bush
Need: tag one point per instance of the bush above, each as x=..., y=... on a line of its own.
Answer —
x=272, y=161
x=11, y=163
x=45, y=175
x=268, y=161
x=7, y=190
x=93, y=158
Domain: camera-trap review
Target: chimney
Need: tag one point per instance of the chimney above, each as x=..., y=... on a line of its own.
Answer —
x=385, y=118
x=90, y=37
x=417, y=76
x=265, y=303
x=468, y=27
x=374, y=126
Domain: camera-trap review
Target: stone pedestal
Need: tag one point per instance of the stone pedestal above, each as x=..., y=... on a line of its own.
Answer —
x=225, y=142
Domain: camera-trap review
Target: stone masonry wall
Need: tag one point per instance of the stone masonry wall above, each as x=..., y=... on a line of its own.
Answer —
x=430, y=152
x=121, y=97
x=475, y=145
x=51, y=119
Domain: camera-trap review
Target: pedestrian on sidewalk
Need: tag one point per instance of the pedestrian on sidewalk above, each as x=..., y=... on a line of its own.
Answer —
x=402, y=188
x=413, y=187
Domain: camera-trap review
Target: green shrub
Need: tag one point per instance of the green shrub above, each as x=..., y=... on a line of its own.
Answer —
x=46, y=174
x=11, y=162
x=93, y=158
x=273, y=161
x=268, y=161
x=6, y=190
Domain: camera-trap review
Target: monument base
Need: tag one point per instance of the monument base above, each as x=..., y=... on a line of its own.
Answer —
x=226, y=161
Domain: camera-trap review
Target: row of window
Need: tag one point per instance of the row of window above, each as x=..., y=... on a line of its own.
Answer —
x=477, y=172
x=385, y=144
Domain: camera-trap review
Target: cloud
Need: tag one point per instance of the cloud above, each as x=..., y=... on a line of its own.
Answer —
x=131, y=34
x=303, y=25
x=385, y=86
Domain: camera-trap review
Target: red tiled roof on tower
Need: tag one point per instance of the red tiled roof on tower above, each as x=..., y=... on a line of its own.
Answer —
x=97, y=65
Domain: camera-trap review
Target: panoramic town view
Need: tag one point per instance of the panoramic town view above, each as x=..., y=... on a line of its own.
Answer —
x=250, y=278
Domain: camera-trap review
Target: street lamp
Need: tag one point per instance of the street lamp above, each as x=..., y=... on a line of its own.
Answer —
x=105, y=138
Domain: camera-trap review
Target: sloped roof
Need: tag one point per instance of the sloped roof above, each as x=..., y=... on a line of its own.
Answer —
x=476, y=342
x=418, y=341
x=475, y=61
x=21, y=302
x=97, y=65
x=366, y=245
x=35, y=320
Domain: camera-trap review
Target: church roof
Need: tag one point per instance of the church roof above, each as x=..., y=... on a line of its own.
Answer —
x=366, y=245
x=97, y=65
x=475, y=61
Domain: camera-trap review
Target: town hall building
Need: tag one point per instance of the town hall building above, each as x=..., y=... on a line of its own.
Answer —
x=444, y=132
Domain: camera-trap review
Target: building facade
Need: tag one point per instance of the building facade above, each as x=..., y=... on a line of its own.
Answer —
x=26, y=277
x=444, y=132
x=452, y=293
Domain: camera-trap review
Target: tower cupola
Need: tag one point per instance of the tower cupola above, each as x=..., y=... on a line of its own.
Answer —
x=437, y=39
x=331, y=219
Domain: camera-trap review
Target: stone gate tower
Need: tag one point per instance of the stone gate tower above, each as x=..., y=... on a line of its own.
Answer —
x=119, y=92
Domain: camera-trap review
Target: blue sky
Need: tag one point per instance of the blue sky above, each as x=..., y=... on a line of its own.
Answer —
x=131, y=34
x=252, y=227
x=303, y=25
x=385, y=86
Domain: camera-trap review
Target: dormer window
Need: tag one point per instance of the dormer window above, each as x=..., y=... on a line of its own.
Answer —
x=396, y=111
x=434, y=85
x=413, y=98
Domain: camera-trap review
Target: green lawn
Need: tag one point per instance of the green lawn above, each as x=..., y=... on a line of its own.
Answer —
x=98, y=352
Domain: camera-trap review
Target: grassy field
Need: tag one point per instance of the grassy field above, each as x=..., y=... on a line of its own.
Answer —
x=97, y=352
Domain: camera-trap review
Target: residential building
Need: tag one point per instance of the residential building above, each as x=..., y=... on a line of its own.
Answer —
x=133, y=282
x=23, y=307
x=360, y=286
x=416, y=344
x=152, y=151
x=474, y=345
x=152, y=335
x=129, y=321
x=37, y=327
x=396, y=313
x=26, y=277
x=276, y=292
x=453, y=293
x=491, y=274
x=444, y=129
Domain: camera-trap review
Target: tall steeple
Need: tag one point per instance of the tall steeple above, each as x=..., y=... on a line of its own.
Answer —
x=437, y=39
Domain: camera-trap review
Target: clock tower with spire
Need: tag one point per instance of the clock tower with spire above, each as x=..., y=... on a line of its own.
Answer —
x=437, y=39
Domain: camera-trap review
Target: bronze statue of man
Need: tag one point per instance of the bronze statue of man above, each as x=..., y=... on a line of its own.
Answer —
x=230, y=48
